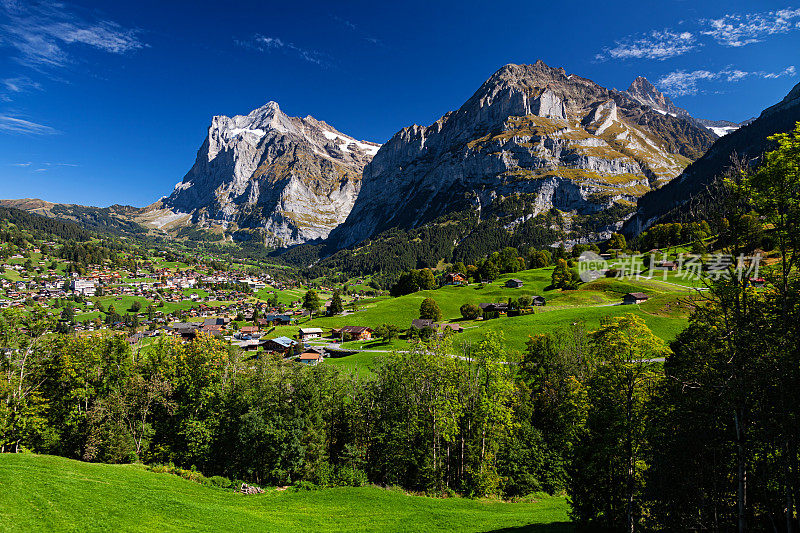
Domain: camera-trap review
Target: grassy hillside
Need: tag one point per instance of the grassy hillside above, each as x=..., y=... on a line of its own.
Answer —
x=402, y=310
x=45, y=493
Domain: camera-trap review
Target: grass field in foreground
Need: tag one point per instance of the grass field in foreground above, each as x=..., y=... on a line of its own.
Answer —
x=46, y=493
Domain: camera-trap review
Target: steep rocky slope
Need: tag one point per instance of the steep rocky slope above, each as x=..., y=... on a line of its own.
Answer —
x=748, y=142
x=267, y=176
x=530, y=130
x=646, y=93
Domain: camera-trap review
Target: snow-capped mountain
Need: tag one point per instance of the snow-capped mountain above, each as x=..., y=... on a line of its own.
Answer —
x=268, y=176
x=646, y=93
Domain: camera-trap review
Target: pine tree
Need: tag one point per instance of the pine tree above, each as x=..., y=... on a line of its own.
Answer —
x=336, y=307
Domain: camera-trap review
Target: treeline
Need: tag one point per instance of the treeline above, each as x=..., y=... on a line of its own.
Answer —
x=462, y=236
x=101, y=219
x=507, y=260
x=41, y=227
x=424, y=421
x=672, y=234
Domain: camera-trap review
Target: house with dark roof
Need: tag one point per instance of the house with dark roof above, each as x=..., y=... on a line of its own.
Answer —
x=634, y=298
x=500, y=307
x=185, y=330
x=422, y=323
x=447, y=328
x=666, y=265
x=514, y=283
x=274, y=320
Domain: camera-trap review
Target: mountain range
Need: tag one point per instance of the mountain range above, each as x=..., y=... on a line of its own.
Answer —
x=533, y=134
x=646, y=93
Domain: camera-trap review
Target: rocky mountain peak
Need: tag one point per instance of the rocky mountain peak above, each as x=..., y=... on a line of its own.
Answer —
x=646, y=93
x=562, y=140
x=266, y=175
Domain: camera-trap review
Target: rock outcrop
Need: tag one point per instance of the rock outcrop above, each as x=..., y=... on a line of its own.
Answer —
x=267, y=176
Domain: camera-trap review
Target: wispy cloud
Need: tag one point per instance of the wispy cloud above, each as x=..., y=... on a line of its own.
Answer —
x=42, y=33
x=41, y=167
x=740, y=30
x=14, y=125
x=730, y=30
x=345, y=22
x=682, y=82
x=357, y=30
x=20, y=83
x=654, y=45
x=263, y=43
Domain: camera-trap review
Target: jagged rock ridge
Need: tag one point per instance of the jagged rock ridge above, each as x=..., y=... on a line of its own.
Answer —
x=529, y=129
x=748, y=142
x=646, y=93
x=266, y=175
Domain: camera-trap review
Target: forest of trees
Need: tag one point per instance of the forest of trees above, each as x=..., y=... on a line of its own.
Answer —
x=40, y=227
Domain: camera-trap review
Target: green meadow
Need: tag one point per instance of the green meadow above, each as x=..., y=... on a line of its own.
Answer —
x=47, y=493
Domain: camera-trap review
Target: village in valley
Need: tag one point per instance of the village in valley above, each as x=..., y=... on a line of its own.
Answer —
x=146, y=293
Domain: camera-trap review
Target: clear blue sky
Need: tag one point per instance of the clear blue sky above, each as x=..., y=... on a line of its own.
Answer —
x=108, y=102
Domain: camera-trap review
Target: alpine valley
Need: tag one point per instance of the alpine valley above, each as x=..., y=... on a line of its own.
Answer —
x=536, y=156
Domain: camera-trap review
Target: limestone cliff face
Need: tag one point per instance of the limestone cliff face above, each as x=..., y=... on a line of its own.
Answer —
x=529, y=129
x=283, y=180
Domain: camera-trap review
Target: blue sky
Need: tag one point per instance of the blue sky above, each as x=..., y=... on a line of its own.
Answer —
x=108, y=102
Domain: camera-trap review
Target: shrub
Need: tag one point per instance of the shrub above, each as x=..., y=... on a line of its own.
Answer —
x=221, y=482
x=470, y=311
x=351, y=477
x=302, y=486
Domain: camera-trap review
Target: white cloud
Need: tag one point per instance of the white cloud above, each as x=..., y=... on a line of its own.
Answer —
x=266, y=44
x=15, y=125
x=21, y=164
x=682, y=83
x=20, y=83
x=740, y=30
x=732, y=30
x=41, y=33
x=654, y=45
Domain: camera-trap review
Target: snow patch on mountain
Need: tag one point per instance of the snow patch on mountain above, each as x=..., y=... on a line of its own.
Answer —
x=271, y=177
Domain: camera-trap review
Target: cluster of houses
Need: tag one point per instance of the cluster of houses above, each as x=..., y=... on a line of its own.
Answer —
x=440, y=328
